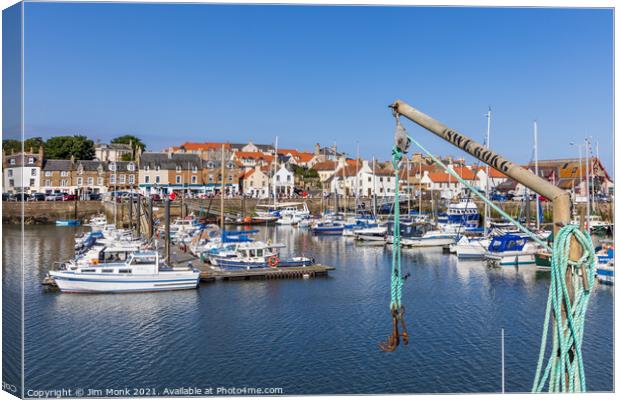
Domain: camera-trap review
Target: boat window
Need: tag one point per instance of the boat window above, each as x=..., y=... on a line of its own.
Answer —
x=88, y=270
x=124, y=271
x=143, y=260
x=259, y=252
x=107, y=271
x=252, y=253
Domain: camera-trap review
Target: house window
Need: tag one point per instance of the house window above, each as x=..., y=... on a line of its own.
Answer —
x=157, y=168
x=10, y=172
x=178, y=178
x=33, y=172
x=112, y=179
x=194, y=179
x=32, y=182
x=90, y=181
x=178, y=168
x=113, y=167
x=48, y=182
x=278, y=178
x=63, y=182
x=288, y=178
x=12, y=162
x=132, y=179
x=11, y=182
x=157, y=179
x=79, y=181
x=48, y=173
x=30, y=160
x=122, y=179
x=100, y=181
x=210, y=178
x=229, y=178
x=147, y=179
x=146, y=168
x=194, y=169
x=64, y=173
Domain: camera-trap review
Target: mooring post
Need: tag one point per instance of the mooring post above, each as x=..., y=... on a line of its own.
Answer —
x=167, y=241
x=559, y=198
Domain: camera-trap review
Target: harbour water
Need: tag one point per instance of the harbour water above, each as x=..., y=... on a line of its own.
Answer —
x=316, y=336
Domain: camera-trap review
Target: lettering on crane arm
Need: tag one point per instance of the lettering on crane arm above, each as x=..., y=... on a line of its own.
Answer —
x=478, y=151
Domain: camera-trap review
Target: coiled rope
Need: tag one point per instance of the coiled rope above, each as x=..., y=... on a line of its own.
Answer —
x=564, y=370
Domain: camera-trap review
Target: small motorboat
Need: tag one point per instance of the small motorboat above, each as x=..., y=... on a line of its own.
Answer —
x=68, y=222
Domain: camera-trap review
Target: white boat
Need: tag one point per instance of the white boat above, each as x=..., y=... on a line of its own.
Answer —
x=253, y=255
x=436, y=238
x=141, y=272
x=471, y=248
x=605, y=265
x=511, y=249
x=289, y=219
x=376, y=234
x=97, y=222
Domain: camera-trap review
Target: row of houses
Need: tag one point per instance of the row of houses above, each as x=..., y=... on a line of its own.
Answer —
x=257, y=170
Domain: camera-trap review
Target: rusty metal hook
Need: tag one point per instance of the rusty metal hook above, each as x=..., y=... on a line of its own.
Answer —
x=394, y=339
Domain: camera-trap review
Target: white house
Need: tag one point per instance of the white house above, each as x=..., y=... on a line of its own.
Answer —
x=361, y=180
x=495, y=178
x=22, y=172
x=256, y=183
x=284, y=179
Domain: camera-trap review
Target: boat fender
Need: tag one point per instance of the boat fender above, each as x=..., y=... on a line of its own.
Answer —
x=273, y=261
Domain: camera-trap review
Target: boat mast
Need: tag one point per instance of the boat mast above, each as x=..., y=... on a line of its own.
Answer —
x=420, y=188
x=222, y=193
x=408, y=189
x=357, y=161
x=536, y=172
x=275, y=171
x=587, y=150
x=374, y=188
x=486, y=185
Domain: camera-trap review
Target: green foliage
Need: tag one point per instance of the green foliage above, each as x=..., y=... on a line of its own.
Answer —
x=127, y=157
x=305, y=173
x=135, y=142
x=63, y=147
x=15, y=146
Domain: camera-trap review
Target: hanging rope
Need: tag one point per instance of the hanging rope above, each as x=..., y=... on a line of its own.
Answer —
x=396, y=284
x=564, y=370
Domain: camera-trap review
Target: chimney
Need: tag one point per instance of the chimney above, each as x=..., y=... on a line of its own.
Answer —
x=72, y=159
x=317, y=149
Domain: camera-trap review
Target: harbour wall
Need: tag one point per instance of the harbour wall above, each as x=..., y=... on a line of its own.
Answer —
x=48, y=212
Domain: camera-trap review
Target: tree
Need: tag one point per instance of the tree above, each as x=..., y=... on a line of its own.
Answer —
x=15, y=146
x=136, y=143
x=63, y=147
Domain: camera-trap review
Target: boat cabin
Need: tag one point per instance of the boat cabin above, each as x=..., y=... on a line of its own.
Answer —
x=500, y=244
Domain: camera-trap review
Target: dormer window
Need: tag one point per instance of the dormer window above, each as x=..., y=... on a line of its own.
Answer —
x=194, y=169
x=157, y=168
x=30, y=160
x=147, y=168
x=178, y=168
x=131, y=167
x=210, y=165
x=12, y=161
x=112, y=167
x=230, y=165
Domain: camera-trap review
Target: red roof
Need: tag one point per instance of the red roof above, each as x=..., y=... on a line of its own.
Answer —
x=204, y=146
x=325, y=166
x=464, y=172
x=304, y=157
x=255, y=155
x=438, y=177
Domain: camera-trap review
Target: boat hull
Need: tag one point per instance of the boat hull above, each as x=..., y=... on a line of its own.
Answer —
x=511, y=259
x=427, y=242
x=114, y=283
x=605, y=274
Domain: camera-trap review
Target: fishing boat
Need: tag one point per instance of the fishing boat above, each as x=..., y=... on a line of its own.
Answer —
x=141, y=272
x=511, y=249
x=97, y=222
x=463, y=214
x=254, y=255
x=67, y=222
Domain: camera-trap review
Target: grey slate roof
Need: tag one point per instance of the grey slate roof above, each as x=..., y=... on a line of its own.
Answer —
x=58, y=165
x=170, y=160
x=22, y=159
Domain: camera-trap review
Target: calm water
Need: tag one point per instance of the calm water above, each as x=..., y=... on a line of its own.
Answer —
x=305, y=336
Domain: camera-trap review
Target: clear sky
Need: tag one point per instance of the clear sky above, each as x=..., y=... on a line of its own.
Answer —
x=307, y=74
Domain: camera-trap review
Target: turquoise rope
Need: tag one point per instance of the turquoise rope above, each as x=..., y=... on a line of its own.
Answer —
x=569, y=335
x=561, y=373
x=397, y=279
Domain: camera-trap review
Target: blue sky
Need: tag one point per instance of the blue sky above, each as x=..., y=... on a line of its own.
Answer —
x=307, y=74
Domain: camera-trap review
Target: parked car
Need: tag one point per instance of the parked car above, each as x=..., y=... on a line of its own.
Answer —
x=8, y=197
x=54, y=197
x=155, y=197
x=38, y=197
x=22, y=196
x=69, y=197
x=94, y=196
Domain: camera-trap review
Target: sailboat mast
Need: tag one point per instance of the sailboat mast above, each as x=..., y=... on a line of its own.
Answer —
x=374, y=188
x=486, y=185
x=222, y=192
x=357, y=161
x=536, y=172
x=275, y=171
x=587, y=150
